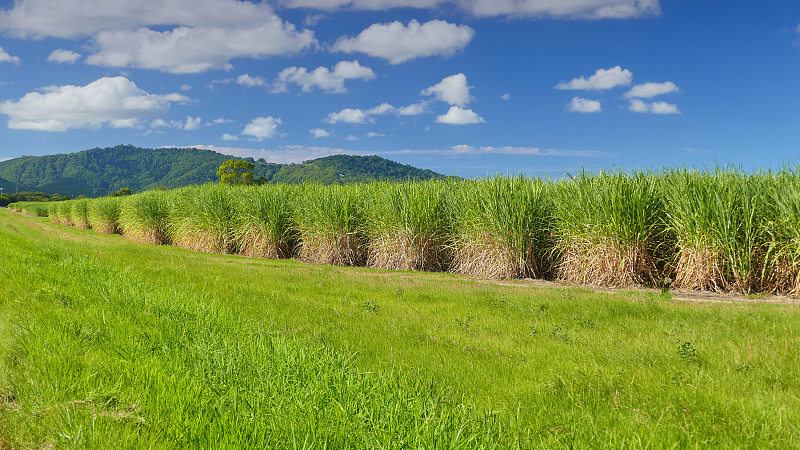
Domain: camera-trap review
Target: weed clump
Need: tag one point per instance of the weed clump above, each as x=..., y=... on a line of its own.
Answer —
x=64, y=213
x=52, y=212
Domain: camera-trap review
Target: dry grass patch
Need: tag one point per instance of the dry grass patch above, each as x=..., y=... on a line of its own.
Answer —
x=337, y=249
x=607, y=263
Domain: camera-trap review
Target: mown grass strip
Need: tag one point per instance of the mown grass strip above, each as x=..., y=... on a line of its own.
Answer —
x=96, y=356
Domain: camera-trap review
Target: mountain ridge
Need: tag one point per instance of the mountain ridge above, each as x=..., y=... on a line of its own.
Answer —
x=98, y=171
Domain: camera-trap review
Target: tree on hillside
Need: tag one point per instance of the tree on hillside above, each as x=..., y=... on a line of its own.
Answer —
x=122, y=192
x=236, y=172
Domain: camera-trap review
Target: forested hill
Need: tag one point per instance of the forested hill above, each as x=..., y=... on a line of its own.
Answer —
x=109, y=169
x=7, y=186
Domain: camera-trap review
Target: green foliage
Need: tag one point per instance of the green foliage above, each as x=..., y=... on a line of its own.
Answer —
x=79, y=213
x=145, y=217
x=409, y=225
x=263, y=221
x=612, y=228
x=235, y=171
x=626, y=209
x=99, y=171
x=201, y=218
x=330, y=220
x=727, y=215
x=504, y=227
x=122, y=192
x=8, y=198
x=38, y=209
x=64, y=211
x=104, y=215
x=724, y=230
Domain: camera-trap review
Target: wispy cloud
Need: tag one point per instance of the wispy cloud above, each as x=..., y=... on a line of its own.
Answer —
x=601, y=80
x=298, y=153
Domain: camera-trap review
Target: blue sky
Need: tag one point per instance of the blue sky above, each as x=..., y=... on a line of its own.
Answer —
x=465, y=87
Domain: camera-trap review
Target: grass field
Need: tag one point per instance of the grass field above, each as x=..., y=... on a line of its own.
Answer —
x=109, y=343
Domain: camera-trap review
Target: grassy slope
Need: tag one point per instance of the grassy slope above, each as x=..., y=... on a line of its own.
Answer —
x=316, y=352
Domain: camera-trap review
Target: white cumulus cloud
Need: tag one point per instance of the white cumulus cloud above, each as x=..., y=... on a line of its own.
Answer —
x=601, y=80
x=362, y=116
x=453, y=90
x=81, y=18
x=584, y=105
x=331, y=81
x=192, y=123
x=383, y=108
x=176, y=36
x=62, y=56
x=5, y=57
x=650, y=90
x=640, y=106
x=319, y=133
x=247, y=80
x=459, y=116
x=570, y=9
x=262, y=127
x=185, y=50
x=229, y=137
x=413, y=109
x=115, y=101
x=399, y=43
x=349, y=115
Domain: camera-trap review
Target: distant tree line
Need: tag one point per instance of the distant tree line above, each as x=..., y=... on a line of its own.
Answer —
x=7, y=199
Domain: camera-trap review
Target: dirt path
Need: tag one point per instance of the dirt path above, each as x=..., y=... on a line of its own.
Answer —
x=676, y=294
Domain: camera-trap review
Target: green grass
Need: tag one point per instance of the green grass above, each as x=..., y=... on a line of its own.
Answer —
x=105, y=342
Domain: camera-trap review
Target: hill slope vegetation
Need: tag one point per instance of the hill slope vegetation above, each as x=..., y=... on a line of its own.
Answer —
x=102, y=170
